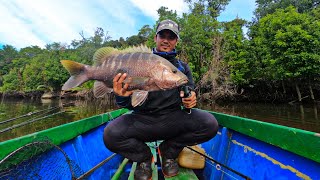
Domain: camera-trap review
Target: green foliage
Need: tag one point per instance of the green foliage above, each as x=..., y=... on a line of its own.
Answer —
x=54, y=74
x=281, y=45
x=288, y=43
x=7, y=54
x=12, y=81
x=265, y=7
x=32, y=76
x=235, y=48
x=212, y=8
x=196, y=42
x=198, y=31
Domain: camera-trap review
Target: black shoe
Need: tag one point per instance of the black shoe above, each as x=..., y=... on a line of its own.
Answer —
x=143, y=171
x=169, y=167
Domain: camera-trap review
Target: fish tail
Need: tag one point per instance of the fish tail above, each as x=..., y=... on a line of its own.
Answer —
x=77, y=72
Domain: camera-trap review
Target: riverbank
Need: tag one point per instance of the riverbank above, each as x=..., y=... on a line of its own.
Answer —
x=84, y=94
x=252, y=96
x=21, y=95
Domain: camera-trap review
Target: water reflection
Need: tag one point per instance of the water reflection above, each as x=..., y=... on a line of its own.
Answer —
x=58, y=112
x=297, y=116
x=43, y=114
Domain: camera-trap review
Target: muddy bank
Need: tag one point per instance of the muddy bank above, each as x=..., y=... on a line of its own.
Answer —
x=248, y=95
x=21, y=95
x=261, y=96
x=85, y=94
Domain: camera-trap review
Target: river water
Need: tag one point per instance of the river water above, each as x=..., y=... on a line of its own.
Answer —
x=21, y=117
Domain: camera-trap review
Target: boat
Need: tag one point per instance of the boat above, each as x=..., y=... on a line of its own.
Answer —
x=242, y=149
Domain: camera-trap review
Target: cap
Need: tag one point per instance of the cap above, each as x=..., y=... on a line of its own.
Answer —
x=170, y=25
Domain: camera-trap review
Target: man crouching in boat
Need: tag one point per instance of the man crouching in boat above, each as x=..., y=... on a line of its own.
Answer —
x=160, y=117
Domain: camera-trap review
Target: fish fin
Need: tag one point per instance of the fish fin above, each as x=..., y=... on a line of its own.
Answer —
x=100, y=89
x=133, y=81
x=77, y=72
x=72, y=67
x=138, y=97
x=140, y=48
x=102, y=53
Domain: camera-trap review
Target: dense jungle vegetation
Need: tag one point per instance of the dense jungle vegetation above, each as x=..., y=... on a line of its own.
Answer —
x=273, y=58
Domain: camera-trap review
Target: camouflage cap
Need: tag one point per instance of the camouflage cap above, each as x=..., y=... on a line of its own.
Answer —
x=170, y=25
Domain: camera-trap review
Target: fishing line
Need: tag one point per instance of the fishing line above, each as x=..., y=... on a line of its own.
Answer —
x=28, y=122
x=25, y=115
x=232, y=170
x=32, y=113
x=218, y=167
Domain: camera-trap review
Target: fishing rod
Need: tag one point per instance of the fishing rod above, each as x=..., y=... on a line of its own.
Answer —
x=25, y=115
x=31, y=113
x=83, y=176
x=211, y=159
x=28, y=122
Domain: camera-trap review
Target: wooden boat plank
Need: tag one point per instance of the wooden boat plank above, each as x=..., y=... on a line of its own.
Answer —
x=133, y=168
x=120, y=170
x=184, y=174
x=153, y=165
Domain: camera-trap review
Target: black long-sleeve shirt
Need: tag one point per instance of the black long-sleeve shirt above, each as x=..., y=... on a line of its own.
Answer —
x=163, y=101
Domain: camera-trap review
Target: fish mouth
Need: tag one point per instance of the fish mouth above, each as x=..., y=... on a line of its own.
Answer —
x=181, y=82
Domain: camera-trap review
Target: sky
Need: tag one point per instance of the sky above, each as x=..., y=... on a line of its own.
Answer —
x=26, y=23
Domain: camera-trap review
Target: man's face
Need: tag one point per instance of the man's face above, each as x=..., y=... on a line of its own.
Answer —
x=166, y=41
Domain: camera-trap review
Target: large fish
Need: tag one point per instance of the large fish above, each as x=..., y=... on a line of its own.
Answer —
x=145, y=72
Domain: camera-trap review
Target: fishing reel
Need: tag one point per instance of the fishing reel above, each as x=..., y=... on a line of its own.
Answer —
x=187, y=93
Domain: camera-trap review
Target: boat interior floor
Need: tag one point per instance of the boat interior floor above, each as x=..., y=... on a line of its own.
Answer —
x=127, y=171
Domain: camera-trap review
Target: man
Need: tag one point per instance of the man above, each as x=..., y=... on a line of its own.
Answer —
x=160, y=117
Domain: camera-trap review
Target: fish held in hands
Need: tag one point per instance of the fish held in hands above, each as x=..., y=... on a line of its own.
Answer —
x=145, y=72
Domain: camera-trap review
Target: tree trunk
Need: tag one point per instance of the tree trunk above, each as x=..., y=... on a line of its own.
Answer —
x=315, y=112
x=311, y=93
x=284, y=89
x=302, y=113
x=298, y=92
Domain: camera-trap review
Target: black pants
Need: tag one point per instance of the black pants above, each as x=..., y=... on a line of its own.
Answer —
x=127, y=134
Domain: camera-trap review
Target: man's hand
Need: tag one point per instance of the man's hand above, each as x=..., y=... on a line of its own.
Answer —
x=189, y=102
x=118, y=87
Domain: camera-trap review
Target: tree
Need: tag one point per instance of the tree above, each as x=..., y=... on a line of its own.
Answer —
x=7, y=54
x=13, y=80
x=236, y=53
x=88, y=46
x=288, y=44
x=199, y=29
x=197, y=42
x=33, y=74
x=212, y=8
x=145, y=32
x=266, y=7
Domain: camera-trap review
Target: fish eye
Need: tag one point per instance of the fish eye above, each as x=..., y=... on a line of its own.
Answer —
x=174, y=71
